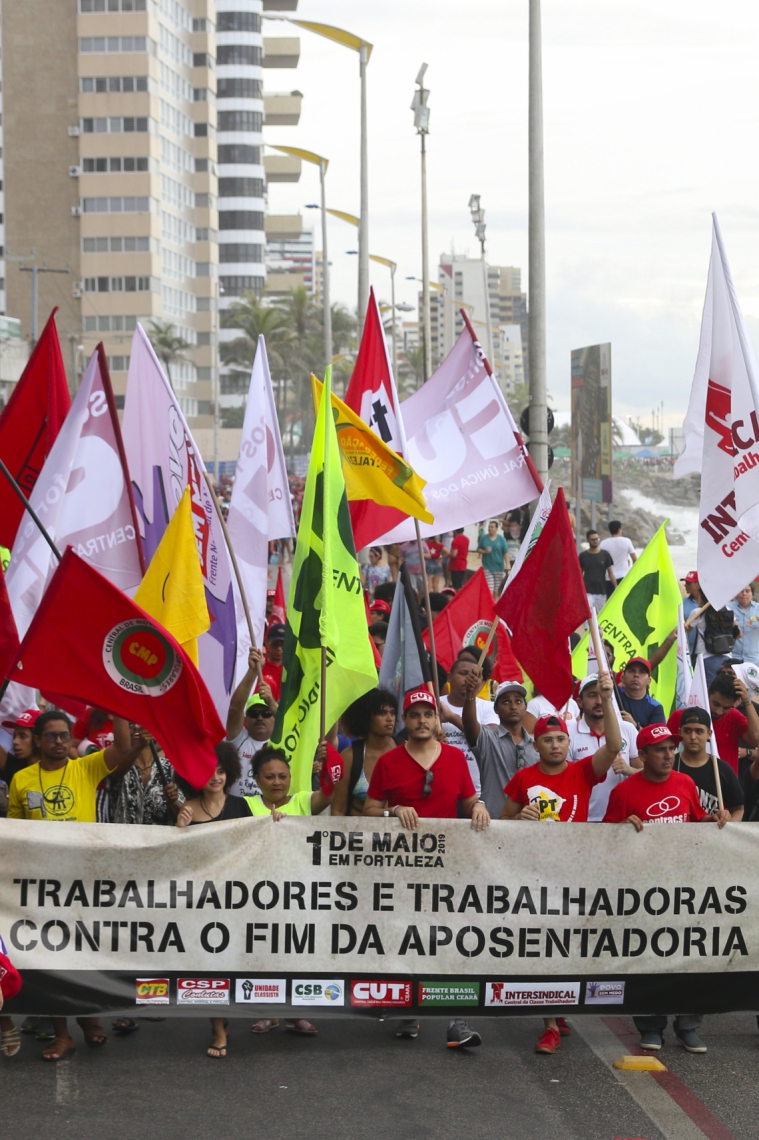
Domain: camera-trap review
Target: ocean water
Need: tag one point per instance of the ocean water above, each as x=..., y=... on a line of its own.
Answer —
x=683, y=519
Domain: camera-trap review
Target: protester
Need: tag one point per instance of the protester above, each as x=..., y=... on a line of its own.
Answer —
x=459, y=557
x=500, y=752
x=271, y=769
x=658, y=795
x=451, y=709
x=410, y=555
x=380, y=610
x=696, y=761
x=250, y=723
x=716, y=632
x=371, y=722
x=23, y=749
x=424, y=779
x=373, y=572
x=446, y=538
x=378, y=634
x=638, y=707
x=148, y=791
x=555, y=790
x=539, y=706
x=272, y=667
x=434, y=564
x=732, y=724
x=586, y=736
x=10, y=984
x=595, y=564
x=512, y=532
x=622, y=554
x=393, y=552
x=495, y=557
x=746, y=613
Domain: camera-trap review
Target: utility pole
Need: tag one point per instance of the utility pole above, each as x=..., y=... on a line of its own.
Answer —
x=35, y=270
x=363, y=229
x=537, y=254
x=422, y=124
x=478, y=217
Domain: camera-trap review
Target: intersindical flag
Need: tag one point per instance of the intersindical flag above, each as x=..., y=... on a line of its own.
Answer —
x=325, y=610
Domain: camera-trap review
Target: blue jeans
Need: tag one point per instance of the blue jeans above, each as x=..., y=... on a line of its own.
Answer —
x=712, y=666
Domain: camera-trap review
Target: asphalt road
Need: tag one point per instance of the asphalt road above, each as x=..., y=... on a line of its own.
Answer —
x=357, y=1082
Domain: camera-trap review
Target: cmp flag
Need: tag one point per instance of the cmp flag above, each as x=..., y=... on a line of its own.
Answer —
x=638, y=616
x=325, y=610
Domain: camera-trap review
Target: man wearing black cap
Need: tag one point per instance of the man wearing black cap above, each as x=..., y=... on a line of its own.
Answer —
x=272, y=668
x=695, y=761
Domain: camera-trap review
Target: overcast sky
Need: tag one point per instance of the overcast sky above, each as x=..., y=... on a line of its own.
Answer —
x=650, y=124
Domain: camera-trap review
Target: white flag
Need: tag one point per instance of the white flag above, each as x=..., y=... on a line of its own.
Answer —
x=684, y=672
x=722, y=439
x=260, y=509
x=537, y=522
x=163, y=459
x=82, y=498
x=699, y=697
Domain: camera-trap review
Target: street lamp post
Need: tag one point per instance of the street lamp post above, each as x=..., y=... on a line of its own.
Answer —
x=537, y=254
x=478, y=217
x=392, y=266
x=422, y=124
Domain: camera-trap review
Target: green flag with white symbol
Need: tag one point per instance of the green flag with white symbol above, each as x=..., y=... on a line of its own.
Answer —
x=325, y=609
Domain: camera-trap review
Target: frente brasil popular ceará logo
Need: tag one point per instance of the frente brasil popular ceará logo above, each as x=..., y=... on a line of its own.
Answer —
x=141, y=659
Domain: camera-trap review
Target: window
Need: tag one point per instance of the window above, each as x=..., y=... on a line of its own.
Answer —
x=243, y=88
x=114, y=125
x=136, y=205
x=201, y=165
x=200, y=94
x=238, y=22
x=202, y=59
x=117, y=284
x=116, y=245
x=118, y=363
x=238, y=53
x=240, y=219
x=235, y=286
x=204, y=201
x=129, y=164
x=201, y=130
x=109, y=324
x=240, y=251
x=114, y=83
x=199, y=24
x=239, y=153
x=241, y=187
x=117, y=43
x=112, y=5
x=241, y=121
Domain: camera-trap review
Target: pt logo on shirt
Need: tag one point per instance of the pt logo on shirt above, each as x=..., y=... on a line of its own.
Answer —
x=549, y=802
x=140, y=659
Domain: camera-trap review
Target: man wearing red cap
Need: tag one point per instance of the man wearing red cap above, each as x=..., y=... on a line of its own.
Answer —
x=555, y=790
x=23, y=749
x=380, y=610
x=424, y=778
x=638, y=707
x=657, y=795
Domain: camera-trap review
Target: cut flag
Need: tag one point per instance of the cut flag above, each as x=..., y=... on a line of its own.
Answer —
x=172, y=590
x=29, y=425
x=405, y=664
x=325, y=610
x=721, y=431
x=466, y=622
x=639, y=615
x=371, y=469
x=260, y=509
x=121, y=660
x=545, y=604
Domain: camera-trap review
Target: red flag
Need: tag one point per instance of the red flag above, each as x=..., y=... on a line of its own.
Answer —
x=279, y=609
x=544, y=603
x=8, y=631
x=466, y=621
x=29, y=424
x=370, y=621
x=122, y=660
x=372, y=395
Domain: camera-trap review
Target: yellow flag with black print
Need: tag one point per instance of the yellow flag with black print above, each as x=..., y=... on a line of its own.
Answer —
x=325, y=609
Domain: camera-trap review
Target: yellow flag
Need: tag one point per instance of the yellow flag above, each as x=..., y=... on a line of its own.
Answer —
x=172, y=590
x=371, y=469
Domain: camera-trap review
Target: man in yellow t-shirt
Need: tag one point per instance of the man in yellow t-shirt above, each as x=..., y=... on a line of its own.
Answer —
x=59, y=788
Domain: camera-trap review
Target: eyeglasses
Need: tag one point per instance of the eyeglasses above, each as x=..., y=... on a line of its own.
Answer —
x=256, y=713
x=51, y=737
x=428, y=778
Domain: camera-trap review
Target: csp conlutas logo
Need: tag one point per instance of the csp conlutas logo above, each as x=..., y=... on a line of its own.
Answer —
x=140, y=659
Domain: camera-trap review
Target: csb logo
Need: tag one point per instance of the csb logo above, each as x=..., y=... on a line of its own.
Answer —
x=152, y=991
x=306, y=991
x=140, y=659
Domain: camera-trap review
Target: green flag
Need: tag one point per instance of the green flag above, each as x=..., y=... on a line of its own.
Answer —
x=638, y=616
x=325, y=609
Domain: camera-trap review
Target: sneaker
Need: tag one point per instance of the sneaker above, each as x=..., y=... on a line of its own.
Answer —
x=652, y=1040
x=690, y=1040
x=549, y=1041
x=460, y=1033
x=564, y=1030
x=409, y=1027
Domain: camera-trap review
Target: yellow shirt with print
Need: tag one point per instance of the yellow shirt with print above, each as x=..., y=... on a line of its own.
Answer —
x=58, y=795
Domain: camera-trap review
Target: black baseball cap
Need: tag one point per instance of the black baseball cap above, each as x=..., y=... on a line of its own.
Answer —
x=276, y=632
x=696, y=715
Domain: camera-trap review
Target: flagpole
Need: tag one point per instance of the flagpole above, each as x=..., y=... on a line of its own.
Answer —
x=430, y=623
x=236, y=569
x=493, y=628
x=715, y=762
x=30, y=509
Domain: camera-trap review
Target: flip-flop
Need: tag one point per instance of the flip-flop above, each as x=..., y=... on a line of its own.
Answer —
x=264, y=1025
x=123, y=1026
x=219, y=1055
x=94, y=1035
x=10, y=1042
x=302, y=1027
x=67, y=1047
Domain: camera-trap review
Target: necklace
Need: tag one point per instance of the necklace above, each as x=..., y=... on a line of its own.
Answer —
x=56, y=798
x=205, y=809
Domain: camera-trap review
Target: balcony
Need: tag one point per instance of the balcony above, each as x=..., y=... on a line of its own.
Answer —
x=283, y=227
x=281, y=51
x=282, y=108
x=282, y=168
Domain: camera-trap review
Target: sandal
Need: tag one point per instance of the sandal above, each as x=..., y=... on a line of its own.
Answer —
x=94, y=1034
x=10, y=1042
x=123, y=1026
x=302, y=1027
x=219, y=1052
x=264, y=1025
x=60, y=1048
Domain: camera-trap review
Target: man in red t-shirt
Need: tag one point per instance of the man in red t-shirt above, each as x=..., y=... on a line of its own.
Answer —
x=424, y=778
x=272, y=667
x=559, y=791
x=458, y=559
x=659, y=795
x=731, y=726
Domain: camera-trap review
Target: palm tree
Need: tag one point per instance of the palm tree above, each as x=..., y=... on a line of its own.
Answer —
x=167, y=344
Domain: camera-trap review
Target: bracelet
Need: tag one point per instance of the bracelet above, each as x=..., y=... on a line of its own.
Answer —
x=395, y=809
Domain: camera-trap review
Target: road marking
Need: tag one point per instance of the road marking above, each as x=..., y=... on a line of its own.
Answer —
x=671, y=1117
x=66, y=1085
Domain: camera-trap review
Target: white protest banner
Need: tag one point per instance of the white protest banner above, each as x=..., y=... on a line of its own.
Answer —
x=684, y=671
x=307, y=911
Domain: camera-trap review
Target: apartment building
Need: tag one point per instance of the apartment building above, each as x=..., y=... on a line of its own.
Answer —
x=119, y=191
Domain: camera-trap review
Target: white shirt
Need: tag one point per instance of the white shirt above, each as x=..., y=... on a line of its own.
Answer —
x=486, y=714
x=582, y=743
x=620, y=549
x=246, y=748
x=541, y=706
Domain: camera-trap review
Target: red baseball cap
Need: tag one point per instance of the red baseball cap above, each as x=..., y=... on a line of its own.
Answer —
x=638, y=661
x=418, y=697
x=271, y=593
x=551, y=723
x=25, y=719
x=379, y=607
x=691, y=577
x=654, y=734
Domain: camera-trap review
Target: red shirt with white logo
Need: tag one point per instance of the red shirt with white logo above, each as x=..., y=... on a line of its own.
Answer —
x=272, y=674
x=674, y=800
x=562, y=797
x=400, y=779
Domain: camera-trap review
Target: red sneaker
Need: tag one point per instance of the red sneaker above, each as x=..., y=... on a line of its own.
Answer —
x=564, y=1029
x=548, y=1042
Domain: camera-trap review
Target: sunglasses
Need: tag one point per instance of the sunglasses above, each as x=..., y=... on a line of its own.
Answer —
x=428, y=778
x=51, y=737
x=256, y=713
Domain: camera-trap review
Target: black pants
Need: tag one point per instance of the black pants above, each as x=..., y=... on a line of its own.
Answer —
x=457, y=578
